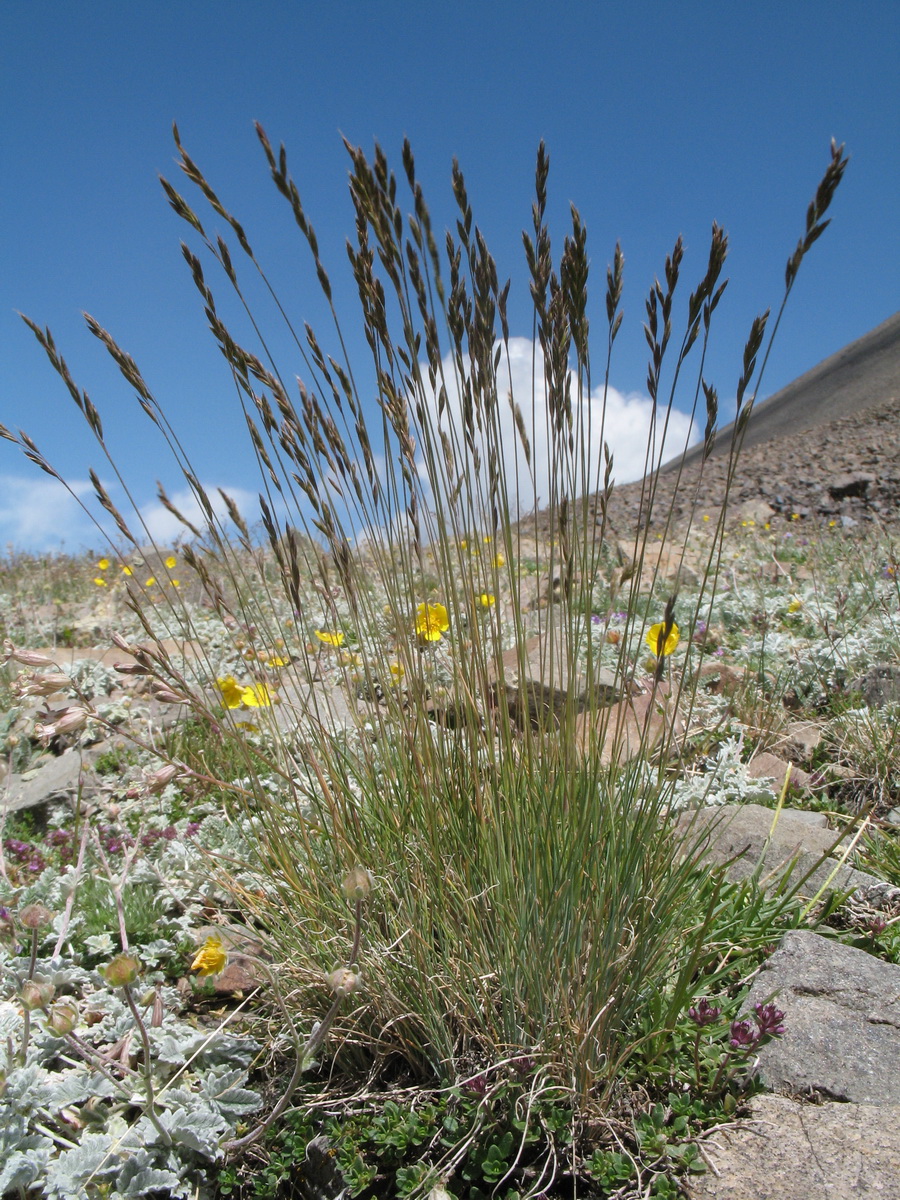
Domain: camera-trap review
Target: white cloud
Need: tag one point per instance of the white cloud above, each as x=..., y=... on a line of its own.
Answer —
x=623, y=421
x=164, y=528
x=39, y=514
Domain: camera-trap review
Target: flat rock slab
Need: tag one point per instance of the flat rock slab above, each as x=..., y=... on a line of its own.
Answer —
x=792, y=1151
x=327, y=706
x=639, y=724
x=770, y=766
x=879, y=686
x=56, y=779
x=842, y=1021
x=540, y=681
x=744, y=832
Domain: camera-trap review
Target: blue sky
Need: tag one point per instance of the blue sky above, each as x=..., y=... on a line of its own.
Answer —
x=659, y=118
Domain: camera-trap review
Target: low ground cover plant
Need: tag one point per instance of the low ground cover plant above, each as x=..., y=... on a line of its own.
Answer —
x=489, y=963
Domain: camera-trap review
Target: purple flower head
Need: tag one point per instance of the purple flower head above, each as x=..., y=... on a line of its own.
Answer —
x=704, y=1013
x=523, y=1065
x=192, y=828
x=477, y=1085
x=700, y=627
x=743, y=1035
x=769, y=1019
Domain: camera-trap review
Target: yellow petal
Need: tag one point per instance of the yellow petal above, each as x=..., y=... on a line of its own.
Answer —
x=655, y=632
x=331, y=637
x=211, y=957
x=256, y=696
x=431, y=621
x=232, y=692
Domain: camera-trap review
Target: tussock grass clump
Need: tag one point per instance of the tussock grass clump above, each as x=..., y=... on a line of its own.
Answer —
x=406, y=679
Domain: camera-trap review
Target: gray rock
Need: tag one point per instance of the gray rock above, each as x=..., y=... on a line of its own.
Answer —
x=56, y=779
x=744, y=832
x=642, y=723
x=879, y=686
x=325, y=705
x=800, y=740
x=842, y=1021
x=770, y=766
x=856, y=484
x=541, y=681
x=792, y=1151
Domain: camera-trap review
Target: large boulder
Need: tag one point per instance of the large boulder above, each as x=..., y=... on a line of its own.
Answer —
x=842, y=1021
x=793, y=1151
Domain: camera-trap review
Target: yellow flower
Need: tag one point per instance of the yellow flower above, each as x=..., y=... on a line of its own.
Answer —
x=151, y=581
x=256, y=696
x=171, y=561
x=499, y=560
x=175, y=583
x=277, y=661
x=655, y=632
x=232, y=692
x=431, y=622
x=126, y=570
x=463, y=544
x=103, y=564
x=398, y=670
x=100, y=582
x=486, y=600
x=487, y=539
x=795, y=605
x=210, y=958
x=330, y=637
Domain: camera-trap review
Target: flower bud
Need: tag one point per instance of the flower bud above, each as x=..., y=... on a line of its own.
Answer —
x=357, y=884
x=36, y=995
x=159, y=1009
x=121, y=971
x=67, y=721
x=34, y=916
x=343, y=981
x=134, y=668
x=29, y=683
x=28, y=658
x=63, y=1017
x=158, y=780
x=71, y=719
